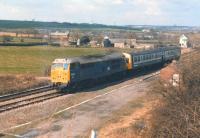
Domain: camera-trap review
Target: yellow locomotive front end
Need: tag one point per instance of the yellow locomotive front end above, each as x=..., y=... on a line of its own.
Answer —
x=129, y=61
x=60, y=72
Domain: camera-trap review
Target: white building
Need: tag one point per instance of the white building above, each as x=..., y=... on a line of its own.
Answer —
x=59, y=35
x=183, y=41
x=123, y=43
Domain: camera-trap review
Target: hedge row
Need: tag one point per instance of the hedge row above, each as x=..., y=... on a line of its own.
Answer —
x=23, y=44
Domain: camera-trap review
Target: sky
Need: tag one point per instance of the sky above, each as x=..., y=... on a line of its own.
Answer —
x=110, y=12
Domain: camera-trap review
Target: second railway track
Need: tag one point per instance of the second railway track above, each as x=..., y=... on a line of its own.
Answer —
x=24, y=98
x=25, y=93
x=29, y=101
x=36, y=96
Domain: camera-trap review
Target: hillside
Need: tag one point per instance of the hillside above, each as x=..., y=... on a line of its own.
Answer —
x=13, y=24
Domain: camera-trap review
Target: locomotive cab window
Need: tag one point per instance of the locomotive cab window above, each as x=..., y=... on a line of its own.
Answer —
x=57, y=65
x=65, y=66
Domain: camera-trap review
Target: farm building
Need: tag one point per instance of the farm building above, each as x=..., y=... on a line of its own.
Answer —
x=107, y=42
x=183, y=41
x=59, y=35
x=60, y=38
x=123, y=43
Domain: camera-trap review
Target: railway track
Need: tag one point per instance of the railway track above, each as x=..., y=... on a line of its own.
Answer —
x=25, y=93
x=29, y=101
x=33, y=96
x=28, y=97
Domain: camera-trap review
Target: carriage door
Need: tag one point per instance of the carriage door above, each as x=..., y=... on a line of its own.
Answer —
x=75, y=71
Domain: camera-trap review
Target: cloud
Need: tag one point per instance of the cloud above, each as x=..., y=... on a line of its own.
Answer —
x=104, y=11
x=118, y=1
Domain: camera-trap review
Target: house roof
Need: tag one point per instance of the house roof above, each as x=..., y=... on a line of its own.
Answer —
x=183, y=37
x=59, y=33
x=122, y=40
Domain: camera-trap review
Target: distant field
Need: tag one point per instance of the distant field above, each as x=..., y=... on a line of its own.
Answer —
x=34, y=60
x=27, y=40
x=16, y=39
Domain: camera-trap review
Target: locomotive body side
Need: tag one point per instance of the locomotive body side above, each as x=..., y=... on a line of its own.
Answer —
x=87, y=68
x=94, y=68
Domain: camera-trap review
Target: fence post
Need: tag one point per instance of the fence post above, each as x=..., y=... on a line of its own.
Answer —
x=93, y=134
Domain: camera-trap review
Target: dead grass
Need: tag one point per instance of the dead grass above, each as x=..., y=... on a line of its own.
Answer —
x=13, y=83
x=179, y=113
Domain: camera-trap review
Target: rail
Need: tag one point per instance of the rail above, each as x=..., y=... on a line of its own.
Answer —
x=25, y=93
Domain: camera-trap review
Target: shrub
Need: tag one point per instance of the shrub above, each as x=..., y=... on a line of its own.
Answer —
x=7, y=39
x=179, y=115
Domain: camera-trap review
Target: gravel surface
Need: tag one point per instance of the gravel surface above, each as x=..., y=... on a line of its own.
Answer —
x=79, y=121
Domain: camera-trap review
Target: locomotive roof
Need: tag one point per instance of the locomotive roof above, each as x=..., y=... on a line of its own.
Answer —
x=159, y=49
x=94, y=58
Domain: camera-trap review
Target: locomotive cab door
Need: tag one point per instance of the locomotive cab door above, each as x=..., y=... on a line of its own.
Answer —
x=75, y=71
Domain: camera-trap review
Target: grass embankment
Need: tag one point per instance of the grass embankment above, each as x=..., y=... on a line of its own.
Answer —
x=35, y=60
x=179, y=115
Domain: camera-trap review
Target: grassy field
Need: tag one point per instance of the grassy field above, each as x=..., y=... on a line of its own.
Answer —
x=27, y=40
x=34, y=60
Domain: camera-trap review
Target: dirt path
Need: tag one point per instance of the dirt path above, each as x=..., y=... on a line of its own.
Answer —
x=79, y=121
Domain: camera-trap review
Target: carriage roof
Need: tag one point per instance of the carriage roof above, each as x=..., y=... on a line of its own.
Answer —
x=160, y=49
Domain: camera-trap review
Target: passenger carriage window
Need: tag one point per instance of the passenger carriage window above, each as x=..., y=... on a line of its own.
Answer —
x=146, y=57
x=138, y=58
x=135, y=59
x=141, y=58
x=149, y=56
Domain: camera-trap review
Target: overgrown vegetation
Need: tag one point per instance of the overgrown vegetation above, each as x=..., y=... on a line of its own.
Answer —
x=13, y=83
x=179, y=114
